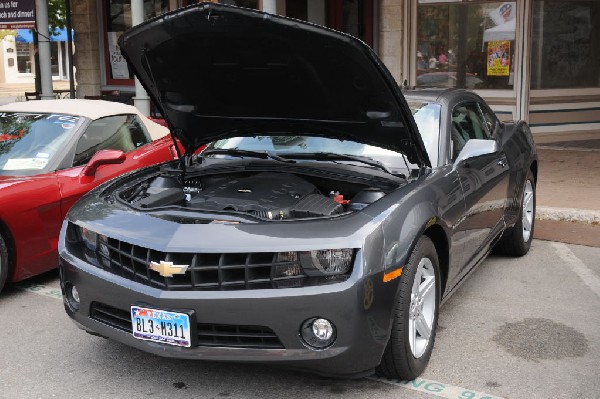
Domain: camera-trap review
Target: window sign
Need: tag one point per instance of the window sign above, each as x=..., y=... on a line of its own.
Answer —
x=498, y=58
x=118, y=65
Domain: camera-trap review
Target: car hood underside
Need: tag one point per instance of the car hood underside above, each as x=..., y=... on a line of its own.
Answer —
x=218, y=71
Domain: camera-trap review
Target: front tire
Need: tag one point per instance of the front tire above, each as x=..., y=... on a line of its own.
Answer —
x=516, y=240
x=415, y=315
x=3, y=263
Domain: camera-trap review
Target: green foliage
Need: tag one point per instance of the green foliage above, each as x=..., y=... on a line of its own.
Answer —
x=57, y=16
x=7, y=32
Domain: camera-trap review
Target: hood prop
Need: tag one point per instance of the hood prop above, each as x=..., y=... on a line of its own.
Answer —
x=174, y=131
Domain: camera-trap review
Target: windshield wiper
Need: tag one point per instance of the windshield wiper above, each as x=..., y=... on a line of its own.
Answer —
x=331, y=156
x=234, y=152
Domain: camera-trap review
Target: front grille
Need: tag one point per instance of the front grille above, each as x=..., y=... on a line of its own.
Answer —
x=213, y=335
x=206, y=271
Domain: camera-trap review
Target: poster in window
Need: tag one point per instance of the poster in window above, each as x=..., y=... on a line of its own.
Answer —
x=118, y=65
x=498, y=58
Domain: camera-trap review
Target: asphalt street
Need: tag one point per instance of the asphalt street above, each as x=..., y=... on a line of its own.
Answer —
x=518, y=328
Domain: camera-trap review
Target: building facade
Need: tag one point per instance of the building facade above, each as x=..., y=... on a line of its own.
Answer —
x=17, y=61
x=537, y=60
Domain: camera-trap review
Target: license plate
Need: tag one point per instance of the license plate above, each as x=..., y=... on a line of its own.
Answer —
x=157, y=325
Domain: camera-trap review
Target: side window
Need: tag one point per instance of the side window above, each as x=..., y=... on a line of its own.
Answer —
x=489, y=118
x=467, y=123
x=119, y=132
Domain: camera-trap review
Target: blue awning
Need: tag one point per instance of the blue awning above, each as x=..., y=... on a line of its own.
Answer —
x=56, y=35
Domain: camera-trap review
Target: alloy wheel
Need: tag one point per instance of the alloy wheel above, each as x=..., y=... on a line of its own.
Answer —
x=527, y=212
x=422, y=308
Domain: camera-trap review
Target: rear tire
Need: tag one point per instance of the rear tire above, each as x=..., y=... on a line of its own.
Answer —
x=4, y=266
x=516, y=240
x=415, y=315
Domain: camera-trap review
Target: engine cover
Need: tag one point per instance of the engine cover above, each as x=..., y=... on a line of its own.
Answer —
x=258, y=194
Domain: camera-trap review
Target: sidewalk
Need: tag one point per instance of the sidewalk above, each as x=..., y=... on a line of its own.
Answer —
x=568, y=187
x=11, y=92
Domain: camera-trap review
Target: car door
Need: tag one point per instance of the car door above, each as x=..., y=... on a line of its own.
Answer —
x=484, y=181
x=119, y=132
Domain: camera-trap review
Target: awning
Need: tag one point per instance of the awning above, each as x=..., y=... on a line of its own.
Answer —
x=55, y=35
x=506, y=31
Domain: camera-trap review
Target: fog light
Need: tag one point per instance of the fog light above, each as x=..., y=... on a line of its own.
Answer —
x=72, y=297
x=318, y=333
x=75, y=294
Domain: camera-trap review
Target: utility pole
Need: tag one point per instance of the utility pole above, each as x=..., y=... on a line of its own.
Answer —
x=141, y=99
x=42, y=32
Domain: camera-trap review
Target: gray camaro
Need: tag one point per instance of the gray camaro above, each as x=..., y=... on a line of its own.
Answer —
x=325, y=222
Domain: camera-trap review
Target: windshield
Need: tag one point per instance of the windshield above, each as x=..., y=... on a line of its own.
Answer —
x=427, y=117
x=30, y=141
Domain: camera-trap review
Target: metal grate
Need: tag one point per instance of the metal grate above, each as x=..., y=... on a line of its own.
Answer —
x=206, y=271
x=214, y=335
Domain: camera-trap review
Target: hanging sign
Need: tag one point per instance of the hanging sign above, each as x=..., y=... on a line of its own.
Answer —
x=498, y=58
x=17, y=14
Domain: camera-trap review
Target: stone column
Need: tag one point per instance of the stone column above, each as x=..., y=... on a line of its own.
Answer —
x=87, y=54
x=391, y=37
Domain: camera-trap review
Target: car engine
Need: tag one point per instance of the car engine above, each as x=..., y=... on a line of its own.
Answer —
x=265, y=195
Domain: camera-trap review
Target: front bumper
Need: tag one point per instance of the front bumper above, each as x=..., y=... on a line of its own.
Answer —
x=360, y=308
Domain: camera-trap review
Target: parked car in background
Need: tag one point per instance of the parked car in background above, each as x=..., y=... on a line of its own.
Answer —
x=447, y=79
x=51, y=153
x=327, y=219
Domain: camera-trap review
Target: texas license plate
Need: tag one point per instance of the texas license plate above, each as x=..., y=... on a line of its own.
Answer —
x=157, y=325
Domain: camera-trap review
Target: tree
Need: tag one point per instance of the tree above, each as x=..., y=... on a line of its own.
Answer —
x=57, y=15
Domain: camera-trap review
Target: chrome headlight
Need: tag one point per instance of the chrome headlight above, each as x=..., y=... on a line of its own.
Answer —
x=94, y=244
x=89, y=238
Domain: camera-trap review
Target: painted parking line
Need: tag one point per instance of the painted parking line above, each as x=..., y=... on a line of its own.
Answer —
x=437, y=389
x=40, y=289
x=580, y=268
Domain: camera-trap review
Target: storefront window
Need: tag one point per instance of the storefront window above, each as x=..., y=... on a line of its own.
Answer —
x=565, y=43
x=466, y=45
x=118, y=20
x=24, y=57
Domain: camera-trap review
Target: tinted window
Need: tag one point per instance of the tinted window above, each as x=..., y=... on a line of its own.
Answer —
x=467, y=123
x=120, y=132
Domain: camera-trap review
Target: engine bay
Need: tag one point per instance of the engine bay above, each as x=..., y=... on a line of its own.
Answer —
x=264, y=195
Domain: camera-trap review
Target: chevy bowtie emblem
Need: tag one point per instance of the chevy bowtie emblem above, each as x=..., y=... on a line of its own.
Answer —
x=167, y=269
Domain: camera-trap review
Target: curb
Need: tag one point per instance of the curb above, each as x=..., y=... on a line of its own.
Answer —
x=568, y=214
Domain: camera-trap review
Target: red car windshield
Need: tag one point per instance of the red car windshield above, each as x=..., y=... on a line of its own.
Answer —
x=29, y=142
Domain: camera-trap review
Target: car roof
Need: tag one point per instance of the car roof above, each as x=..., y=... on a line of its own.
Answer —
x=438, y=95
x=92, y=109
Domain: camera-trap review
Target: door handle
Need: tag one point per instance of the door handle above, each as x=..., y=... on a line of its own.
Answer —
x=502, y=162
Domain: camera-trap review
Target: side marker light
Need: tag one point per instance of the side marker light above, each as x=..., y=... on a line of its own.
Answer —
x=392, y=275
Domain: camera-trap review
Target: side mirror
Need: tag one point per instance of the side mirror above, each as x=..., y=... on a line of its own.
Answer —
x=102, y=157
x=476, y=147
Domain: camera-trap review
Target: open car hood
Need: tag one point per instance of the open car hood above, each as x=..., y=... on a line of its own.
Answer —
x=218, y=71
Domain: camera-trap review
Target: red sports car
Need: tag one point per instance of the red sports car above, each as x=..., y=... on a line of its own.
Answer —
x=51, y=153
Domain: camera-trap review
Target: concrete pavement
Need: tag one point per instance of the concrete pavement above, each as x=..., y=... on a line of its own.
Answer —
x=517, y=328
